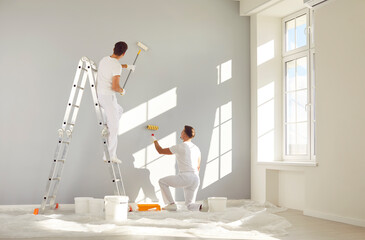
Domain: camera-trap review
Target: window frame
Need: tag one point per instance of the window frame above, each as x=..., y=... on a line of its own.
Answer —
x=289, y=18
x=309, y=52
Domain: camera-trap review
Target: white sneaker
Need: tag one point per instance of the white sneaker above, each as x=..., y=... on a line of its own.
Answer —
x=114, y=160
x=170, y=207
x=204, y=207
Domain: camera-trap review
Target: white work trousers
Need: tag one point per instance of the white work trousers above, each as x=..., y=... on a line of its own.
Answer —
x=189, y=181
x=112, y=113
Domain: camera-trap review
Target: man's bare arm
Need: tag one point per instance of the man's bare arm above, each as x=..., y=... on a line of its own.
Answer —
x=115, y=84
x=161, y=150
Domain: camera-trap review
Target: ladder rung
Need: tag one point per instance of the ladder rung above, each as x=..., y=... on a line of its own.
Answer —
x=55, y=179
x=49, y=197
x=116, y=180
x=75, y=106
x=70, y=124
x=59, y=160
x=66, y=142
x=78, y=87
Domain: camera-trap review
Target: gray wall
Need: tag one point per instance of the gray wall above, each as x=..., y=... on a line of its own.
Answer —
x=40, y=45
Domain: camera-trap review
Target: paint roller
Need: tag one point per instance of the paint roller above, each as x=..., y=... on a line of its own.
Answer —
x=143, y=47
x=152, y=127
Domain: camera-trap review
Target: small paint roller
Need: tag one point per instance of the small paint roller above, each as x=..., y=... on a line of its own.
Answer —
x=143, y=47
x=152, y=127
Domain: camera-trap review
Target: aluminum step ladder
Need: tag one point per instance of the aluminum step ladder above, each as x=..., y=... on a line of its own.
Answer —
x=88, y=70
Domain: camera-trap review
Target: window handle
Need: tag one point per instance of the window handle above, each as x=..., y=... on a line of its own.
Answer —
x=307, y=105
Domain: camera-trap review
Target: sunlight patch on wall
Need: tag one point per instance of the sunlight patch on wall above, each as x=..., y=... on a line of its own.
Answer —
x=219, y=161
x=266, y=123
x=162, y=103
x=133, y=118
x=148, y=110
x=265, y=52
x=224, y=71
x=159, y=165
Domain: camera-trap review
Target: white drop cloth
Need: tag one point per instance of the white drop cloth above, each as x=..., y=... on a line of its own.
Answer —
x=243, y=219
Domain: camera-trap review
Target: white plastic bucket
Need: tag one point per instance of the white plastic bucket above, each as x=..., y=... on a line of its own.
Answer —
x=82, y=205
x=217, y=204
x=96, y=207
x=116, y=208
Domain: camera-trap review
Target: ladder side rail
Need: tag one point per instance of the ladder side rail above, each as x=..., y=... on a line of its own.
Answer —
x=102, y=126
x=79, y=93
x=72, y=94
x=53, y=174
x=57, y=178
x=121, y=180
x=78, y=101
x=55, y=165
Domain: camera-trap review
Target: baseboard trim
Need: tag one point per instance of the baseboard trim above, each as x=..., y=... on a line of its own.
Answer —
x=336, y=218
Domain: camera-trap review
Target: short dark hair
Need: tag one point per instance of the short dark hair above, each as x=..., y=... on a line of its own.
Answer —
x=190, y=131
x=120, y=48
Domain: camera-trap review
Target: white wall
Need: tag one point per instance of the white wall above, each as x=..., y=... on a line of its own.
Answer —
x=335, y=188
x=41, y=43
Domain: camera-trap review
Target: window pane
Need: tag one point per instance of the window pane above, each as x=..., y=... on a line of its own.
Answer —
x=290, y=138
x=290, y=35
x=302, y=138
x=302, y=76
x=290, y=107
x=302, y=101
x=296, y=135
x=290, y=76
x=301, y=25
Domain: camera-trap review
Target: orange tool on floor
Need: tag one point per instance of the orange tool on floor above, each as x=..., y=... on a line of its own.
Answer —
x=149, y=207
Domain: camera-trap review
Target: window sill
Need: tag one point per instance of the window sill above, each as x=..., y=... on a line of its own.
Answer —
x=291, y=163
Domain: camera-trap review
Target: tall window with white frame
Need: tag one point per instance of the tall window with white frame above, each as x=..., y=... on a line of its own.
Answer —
x=298, y=69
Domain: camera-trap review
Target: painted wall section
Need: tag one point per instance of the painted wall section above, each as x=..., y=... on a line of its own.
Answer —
x=198, y=64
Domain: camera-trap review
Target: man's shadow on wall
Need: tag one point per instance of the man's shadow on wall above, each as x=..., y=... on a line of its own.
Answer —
x=135, y=179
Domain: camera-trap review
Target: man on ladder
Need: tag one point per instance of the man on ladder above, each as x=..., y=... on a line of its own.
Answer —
x=107, y=85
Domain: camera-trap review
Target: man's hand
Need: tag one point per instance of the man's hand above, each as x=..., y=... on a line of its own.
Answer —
x=159, y=149
x=131, y=67
x=122, y=92
x=153, y=138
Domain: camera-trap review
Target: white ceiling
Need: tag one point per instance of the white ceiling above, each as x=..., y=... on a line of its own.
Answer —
x=282, y=8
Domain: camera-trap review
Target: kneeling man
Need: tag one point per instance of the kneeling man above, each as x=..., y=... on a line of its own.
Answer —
x=188, y=158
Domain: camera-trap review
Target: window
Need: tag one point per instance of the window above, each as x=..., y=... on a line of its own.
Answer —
x=298, y=69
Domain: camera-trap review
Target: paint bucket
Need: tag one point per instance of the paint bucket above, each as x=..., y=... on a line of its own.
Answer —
x=82, y=205
x=116, y=208
x=96, y=207
x=217, y=204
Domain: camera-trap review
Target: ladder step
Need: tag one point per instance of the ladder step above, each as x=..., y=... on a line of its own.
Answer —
x=49, y=197
x=70, y=124
x=66, y=142
x=76, y=106
x=116, y=180
x=55, y=179
x=59, y=160
x=76, y=86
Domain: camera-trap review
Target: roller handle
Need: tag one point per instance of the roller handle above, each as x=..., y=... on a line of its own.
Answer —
x=130, y=71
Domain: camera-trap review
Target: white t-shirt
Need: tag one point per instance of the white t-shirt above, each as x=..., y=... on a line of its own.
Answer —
x=187, y=155
x=108, y=68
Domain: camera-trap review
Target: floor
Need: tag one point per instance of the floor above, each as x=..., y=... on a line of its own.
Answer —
x=309, y=228
x=304, y=227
